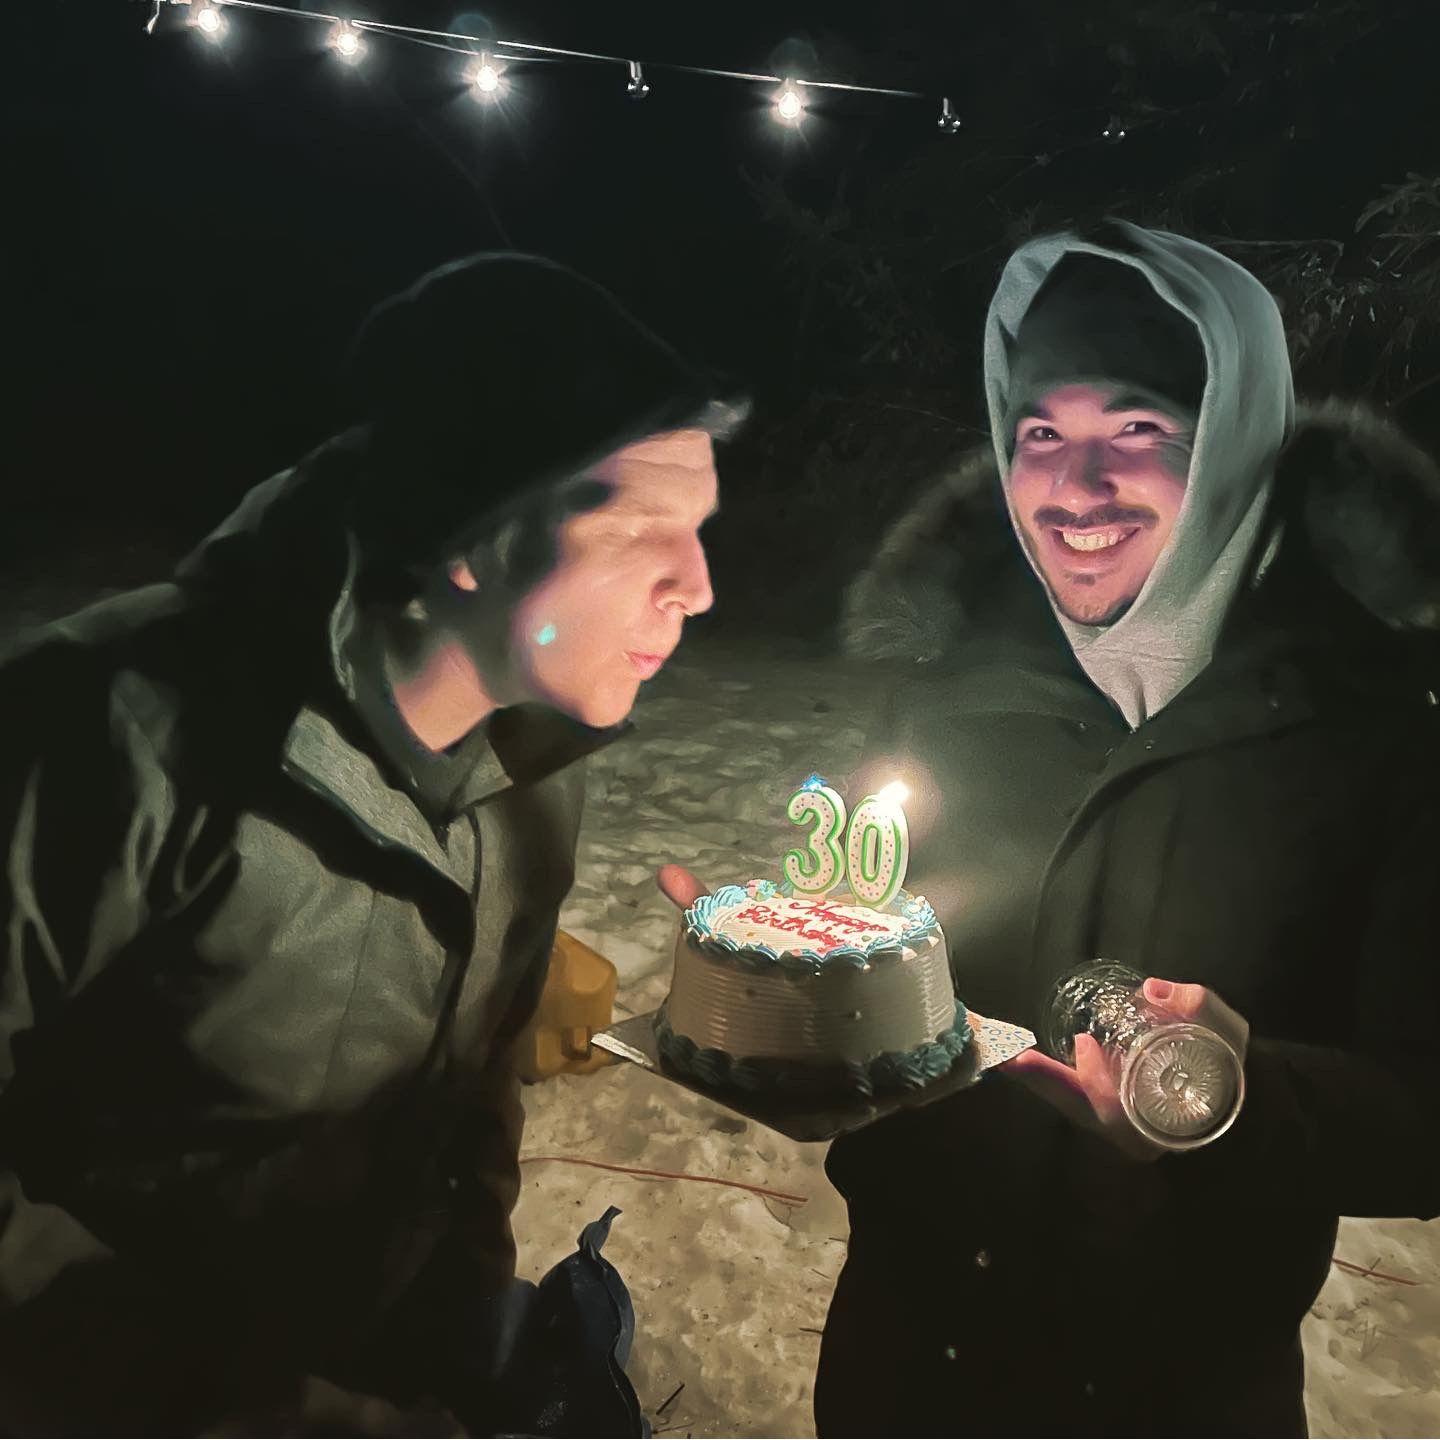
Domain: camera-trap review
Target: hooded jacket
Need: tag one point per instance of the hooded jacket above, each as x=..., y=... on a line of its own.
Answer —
x=1144, y=659
x=258, y=1117
x=1271, y=832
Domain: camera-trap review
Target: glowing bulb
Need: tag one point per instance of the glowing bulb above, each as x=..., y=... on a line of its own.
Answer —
x=486, y=77
x=209, y=21
x=345, y=41
x=790, y=106
x=637, y=89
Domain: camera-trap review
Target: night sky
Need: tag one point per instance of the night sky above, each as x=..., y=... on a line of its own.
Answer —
x=196, y=229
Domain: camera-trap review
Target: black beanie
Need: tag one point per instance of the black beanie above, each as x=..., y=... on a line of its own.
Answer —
x=492, y=376
x=1096, y=319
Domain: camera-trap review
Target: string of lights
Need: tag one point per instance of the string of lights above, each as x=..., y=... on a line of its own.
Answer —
x=491, y=58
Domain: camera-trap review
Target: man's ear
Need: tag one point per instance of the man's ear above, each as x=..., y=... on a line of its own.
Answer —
x=462, y=577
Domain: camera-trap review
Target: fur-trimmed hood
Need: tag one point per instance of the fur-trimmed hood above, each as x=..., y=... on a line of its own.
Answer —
x=1349, y=484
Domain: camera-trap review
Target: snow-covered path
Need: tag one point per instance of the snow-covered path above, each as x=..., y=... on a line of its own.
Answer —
x=731, y=1286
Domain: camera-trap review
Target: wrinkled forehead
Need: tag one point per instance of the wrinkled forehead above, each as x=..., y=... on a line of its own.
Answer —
x=670, y=474
x=671, y=450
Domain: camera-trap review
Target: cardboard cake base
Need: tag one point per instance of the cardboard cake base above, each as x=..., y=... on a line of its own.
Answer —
x=995, y=1042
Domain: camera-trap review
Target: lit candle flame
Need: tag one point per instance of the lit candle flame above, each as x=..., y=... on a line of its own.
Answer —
x=895, y=793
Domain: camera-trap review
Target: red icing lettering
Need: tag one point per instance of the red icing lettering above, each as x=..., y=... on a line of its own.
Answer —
x=818, y=923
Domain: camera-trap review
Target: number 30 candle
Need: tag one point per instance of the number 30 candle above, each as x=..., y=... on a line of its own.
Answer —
x=875, y=852
x=820, y=866
x=877, y=846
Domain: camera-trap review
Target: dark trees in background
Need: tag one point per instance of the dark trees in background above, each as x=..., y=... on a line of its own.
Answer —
x=197, y=232
x=1299, y=139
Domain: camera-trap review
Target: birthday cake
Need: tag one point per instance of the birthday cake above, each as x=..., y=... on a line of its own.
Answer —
x=778, y=990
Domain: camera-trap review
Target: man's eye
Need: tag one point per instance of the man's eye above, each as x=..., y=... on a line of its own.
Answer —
x=1142, y=427
x=1042, y=433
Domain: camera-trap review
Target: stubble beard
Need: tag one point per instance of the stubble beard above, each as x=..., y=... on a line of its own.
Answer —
x=1078, y=611
x=1096, y=615
x=1095, y=612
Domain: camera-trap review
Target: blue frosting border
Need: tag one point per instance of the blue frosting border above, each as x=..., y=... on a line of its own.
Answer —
x=699, y=925
x=893, y=1070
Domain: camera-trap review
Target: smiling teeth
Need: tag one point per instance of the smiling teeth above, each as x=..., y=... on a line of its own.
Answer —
x=1099, y=540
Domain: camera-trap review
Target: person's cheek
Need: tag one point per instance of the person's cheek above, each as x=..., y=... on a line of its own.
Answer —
x=542, y=640
x=1173, y=454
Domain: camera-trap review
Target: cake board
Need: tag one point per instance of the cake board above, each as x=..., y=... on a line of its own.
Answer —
x=994, y=1042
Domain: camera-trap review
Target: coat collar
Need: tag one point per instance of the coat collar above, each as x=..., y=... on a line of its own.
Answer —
x=1347, y=612
x=321, y=759
x=520, y=745
x=951, y=603
x=524, y=746
x=1355, y=498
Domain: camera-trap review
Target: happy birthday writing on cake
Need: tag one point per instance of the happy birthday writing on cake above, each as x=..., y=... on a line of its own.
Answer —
x=815, y=922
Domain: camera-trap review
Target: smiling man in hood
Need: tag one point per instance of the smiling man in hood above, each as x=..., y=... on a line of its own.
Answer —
x=285, y=843
x=1164, y=671
x=1141, y=498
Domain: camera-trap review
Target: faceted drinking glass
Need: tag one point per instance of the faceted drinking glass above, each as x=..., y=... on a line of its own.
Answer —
x=1181, y=1084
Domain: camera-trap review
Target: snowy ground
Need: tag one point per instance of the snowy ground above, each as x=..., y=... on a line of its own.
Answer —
x=731, y=1286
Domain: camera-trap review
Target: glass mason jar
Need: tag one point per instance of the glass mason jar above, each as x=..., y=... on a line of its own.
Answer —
x=1181, y=1084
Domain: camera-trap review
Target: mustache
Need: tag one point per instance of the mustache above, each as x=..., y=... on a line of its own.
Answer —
x=1053, y=516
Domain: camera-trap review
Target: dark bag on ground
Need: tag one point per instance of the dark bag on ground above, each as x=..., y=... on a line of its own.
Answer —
x=560, y=1349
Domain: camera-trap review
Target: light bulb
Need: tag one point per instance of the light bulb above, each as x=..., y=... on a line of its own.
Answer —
x=346, y=42
x=637, y=89
x=790, y=106
x=486, y=77
x=208, y=20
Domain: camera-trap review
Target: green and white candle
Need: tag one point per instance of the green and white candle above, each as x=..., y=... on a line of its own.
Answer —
x=877, y=846
x=818, y=866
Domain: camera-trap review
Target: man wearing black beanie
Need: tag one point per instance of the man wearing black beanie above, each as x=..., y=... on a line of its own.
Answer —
x=286, y=840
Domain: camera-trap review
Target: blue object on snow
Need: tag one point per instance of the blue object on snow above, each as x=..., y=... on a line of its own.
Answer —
x=562, y=1346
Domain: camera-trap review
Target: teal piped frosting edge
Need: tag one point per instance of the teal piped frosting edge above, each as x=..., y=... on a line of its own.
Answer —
x=893, y=1070
x=699, y=925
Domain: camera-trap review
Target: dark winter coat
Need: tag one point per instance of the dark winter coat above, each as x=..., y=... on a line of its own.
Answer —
x=1273, y=833
x=257, y=1112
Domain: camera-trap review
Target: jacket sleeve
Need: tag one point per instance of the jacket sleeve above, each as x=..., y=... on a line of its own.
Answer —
x=1354, y=1128
x=485, y=1162
x=456, y=1320
x=83, y=811
x=89, y=1341
x=82, y=818
x=486, y=1158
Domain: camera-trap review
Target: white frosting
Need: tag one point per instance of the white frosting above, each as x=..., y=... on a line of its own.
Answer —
x=898, y=999
x=796, y=923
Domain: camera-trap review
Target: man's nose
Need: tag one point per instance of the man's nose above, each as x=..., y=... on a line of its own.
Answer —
x=688, y=585
x=1082, y=474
